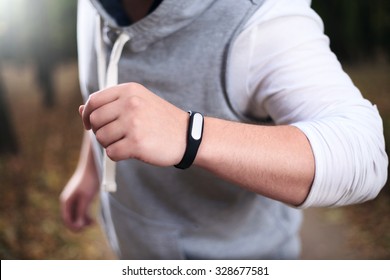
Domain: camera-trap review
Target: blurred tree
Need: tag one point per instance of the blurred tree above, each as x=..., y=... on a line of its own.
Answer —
x=43, y=34
x=54, y=41
x=43, y=52
x=358, y=28
x=8, y=143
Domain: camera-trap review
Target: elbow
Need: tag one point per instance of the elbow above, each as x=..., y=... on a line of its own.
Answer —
x=374, y=168
x=351, y=168
x=372, y=183
x=379, y=175
x=347, y=185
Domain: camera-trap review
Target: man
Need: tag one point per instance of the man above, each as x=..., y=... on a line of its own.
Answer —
x=240, y=66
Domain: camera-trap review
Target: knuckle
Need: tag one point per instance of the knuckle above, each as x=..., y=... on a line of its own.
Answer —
x=93, y=118
x=135, y=125
x=133, y=102
x=138, y=142
x=113, y=154
x=140, y=146
x=92, y=100
x=100, y=138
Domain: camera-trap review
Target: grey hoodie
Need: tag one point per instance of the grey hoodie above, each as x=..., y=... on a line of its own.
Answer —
x=181, y=52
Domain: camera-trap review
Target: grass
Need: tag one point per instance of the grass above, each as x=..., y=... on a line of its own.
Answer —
x=30, y=225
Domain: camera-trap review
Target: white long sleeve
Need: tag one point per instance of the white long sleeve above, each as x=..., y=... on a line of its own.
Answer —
x=283, y=68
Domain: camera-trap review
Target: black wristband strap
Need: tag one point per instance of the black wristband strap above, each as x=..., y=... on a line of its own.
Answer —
x=194, y=138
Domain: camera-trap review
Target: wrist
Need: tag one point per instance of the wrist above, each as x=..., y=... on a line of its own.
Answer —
x=205, y=150
x=194, y=139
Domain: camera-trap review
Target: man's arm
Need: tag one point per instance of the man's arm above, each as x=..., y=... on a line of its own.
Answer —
x=132, y=122
x=275, y=161
x=79, y=192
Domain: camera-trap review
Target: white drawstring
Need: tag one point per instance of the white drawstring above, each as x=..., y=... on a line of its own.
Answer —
x=108, y=78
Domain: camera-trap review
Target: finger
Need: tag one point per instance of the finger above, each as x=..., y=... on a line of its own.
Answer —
x=110, y=133
x=95, y=101
x=104, y=115
x=82, y=218
x=81, y=109
x=120, y=150
x=68, y=214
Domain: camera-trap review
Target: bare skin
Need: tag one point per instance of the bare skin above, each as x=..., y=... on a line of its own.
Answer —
x=79, y=192
x=136, y=9
x=132, y=122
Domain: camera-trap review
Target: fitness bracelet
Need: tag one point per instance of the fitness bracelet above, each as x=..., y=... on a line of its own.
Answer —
x=194, y=138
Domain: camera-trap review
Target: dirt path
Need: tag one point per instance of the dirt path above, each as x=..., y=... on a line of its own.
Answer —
x=325, y=235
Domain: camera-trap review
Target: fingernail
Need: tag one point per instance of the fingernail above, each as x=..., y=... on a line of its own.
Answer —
x=81, y=109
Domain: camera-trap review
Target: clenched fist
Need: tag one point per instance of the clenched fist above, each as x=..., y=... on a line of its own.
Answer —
x=132, y=122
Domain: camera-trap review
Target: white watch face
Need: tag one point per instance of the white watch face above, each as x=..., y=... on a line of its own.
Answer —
x=196, y=132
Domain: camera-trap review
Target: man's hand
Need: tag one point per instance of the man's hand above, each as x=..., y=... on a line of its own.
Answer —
x=77, y=196
x=76, y=199
x=132, y=122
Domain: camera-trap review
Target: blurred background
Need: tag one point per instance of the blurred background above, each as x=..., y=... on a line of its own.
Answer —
x=40, y=131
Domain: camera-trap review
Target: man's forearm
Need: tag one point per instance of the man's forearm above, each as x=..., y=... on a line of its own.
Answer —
x=87, y=164
x=275, y=161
